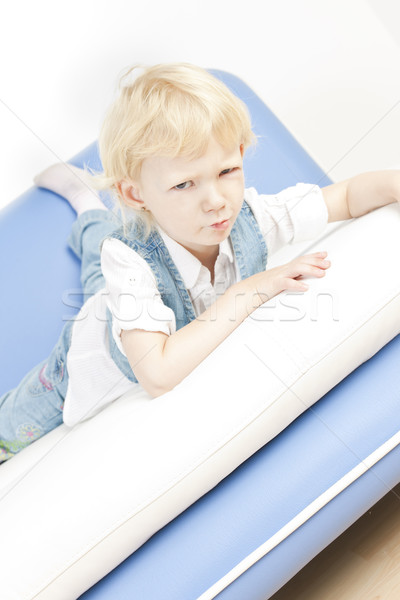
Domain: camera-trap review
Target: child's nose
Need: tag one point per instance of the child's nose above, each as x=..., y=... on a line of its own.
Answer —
x=214, y=200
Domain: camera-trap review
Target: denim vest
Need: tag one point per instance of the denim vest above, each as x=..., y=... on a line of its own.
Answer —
x=251, y=255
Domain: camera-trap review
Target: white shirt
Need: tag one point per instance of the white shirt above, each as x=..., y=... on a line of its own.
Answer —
x=296, y=214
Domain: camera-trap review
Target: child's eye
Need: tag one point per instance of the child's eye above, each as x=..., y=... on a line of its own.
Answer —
x=226, y=171
x=183, y=186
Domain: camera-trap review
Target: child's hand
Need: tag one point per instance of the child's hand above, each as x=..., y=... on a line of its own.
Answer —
x=286, y=277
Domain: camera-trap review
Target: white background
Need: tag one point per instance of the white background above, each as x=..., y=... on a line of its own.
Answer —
x=330, y=70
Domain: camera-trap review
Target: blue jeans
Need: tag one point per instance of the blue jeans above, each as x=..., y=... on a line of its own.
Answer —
x=35, y=406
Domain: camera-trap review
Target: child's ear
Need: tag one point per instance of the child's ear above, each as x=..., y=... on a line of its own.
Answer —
x=130, y=194
x=242, y=149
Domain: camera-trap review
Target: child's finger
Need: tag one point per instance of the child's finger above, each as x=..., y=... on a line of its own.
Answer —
x=318, y=259
x=307, y=270
x=297, y=284
x=317, y=254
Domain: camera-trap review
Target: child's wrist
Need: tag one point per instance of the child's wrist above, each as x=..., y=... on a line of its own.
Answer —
x=249, y=296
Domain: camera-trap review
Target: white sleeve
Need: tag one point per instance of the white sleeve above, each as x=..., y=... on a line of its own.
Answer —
x=132, y=295
x=296, y=214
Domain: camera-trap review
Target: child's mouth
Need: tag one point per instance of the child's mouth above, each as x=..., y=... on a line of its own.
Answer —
x=221, y=225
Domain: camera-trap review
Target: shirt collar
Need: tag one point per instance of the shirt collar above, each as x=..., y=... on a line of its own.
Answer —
x=188, y=265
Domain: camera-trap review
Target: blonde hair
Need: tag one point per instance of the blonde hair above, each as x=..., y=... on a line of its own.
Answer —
x=168, y=110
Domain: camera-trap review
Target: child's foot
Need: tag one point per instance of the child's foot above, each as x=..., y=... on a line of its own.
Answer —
x=73, y=184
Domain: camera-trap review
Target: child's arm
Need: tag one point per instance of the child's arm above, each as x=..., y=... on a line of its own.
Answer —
x=160, y=361
x=361, y=194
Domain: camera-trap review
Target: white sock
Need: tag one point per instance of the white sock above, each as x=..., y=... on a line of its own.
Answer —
x=73, y=184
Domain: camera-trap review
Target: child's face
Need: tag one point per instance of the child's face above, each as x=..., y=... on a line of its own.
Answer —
x=195, y=202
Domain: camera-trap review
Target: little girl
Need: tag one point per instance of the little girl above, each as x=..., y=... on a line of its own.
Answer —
x=188, y=263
